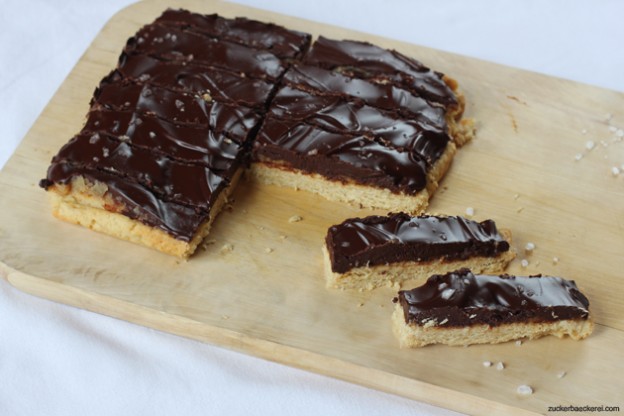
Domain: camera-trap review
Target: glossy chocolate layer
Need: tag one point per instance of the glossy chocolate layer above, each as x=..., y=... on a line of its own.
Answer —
x=171, y=43
x=399, y=237
x=340, y=115
x=364, y=60
x=339, y=156
x=321, y=81
x=189, y=144
x=182, y=108
x=281, y=42
x=461, y=298
x=184, y=183
x=220, y=85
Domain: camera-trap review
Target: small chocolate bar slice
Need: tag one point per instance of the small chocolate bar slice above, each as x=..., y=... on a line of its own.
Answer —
x=365, y=253
x=461, y=308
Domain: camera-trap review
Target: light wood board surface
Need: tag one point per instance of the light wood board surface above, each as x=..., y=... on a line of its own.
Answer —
x=520, y=170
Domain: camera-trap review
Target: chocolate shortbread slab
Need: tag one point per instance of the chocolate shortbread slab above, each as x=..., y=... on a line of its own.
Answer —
x=461, y=308
x=169, y=130
x=365, y=253
x=193, y=97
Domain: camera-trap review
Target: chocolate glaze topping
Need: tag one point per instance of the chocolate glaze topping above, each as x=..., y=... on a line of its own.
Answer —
x=182, y=108
x=339, y=115
x=220, y=85
x=461, y=298
x=184, y=183
x=184, y=143
x=361, y=59
x=320, y=81
x=280, y=41
x=173, y=44
x=399, y=237
x=341, y=157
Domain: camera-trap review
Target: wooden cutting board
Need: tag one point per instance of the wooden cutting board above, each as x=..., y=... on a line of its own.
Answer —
x=520, y=170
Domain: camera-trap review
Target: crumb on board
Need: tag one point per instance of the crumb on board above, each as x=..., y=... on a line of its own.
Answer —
x=487, y=363
x=295, y=218
x=529, y=247
x=555, y=260
x=524, y=390
x=226, y=248
x=268, y=250
x=500, y=366
x=206, y=243
x=518, y=343
x=524, y=263
x=470, y=211
x=617, y=136
x=561, y=374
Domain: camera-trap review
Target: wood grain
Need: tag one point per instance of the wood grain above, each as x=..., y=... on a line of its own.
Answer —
x=520, y=170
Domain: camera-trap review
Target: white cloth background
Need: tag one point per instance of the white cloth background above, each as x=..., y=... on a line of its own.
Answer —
x=57, y=360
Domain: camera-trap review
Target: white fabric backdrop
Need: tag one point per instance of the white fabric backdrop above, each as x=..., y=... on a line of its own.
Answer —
x=57, y=360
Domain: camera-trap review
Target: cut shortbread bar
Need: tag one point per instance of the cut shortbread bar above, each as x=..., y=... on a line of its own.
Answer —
x=169, y=130
x=355, y=169
x=130, y=212
x=365, y=253
x=461, y=308
x=354, y=122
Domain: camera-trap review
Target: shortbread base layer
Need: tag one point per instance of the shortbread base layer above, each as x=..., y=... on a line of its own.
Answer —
x=394, y=274
x=414, y=336
x=83, y=204
x=279, y=173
